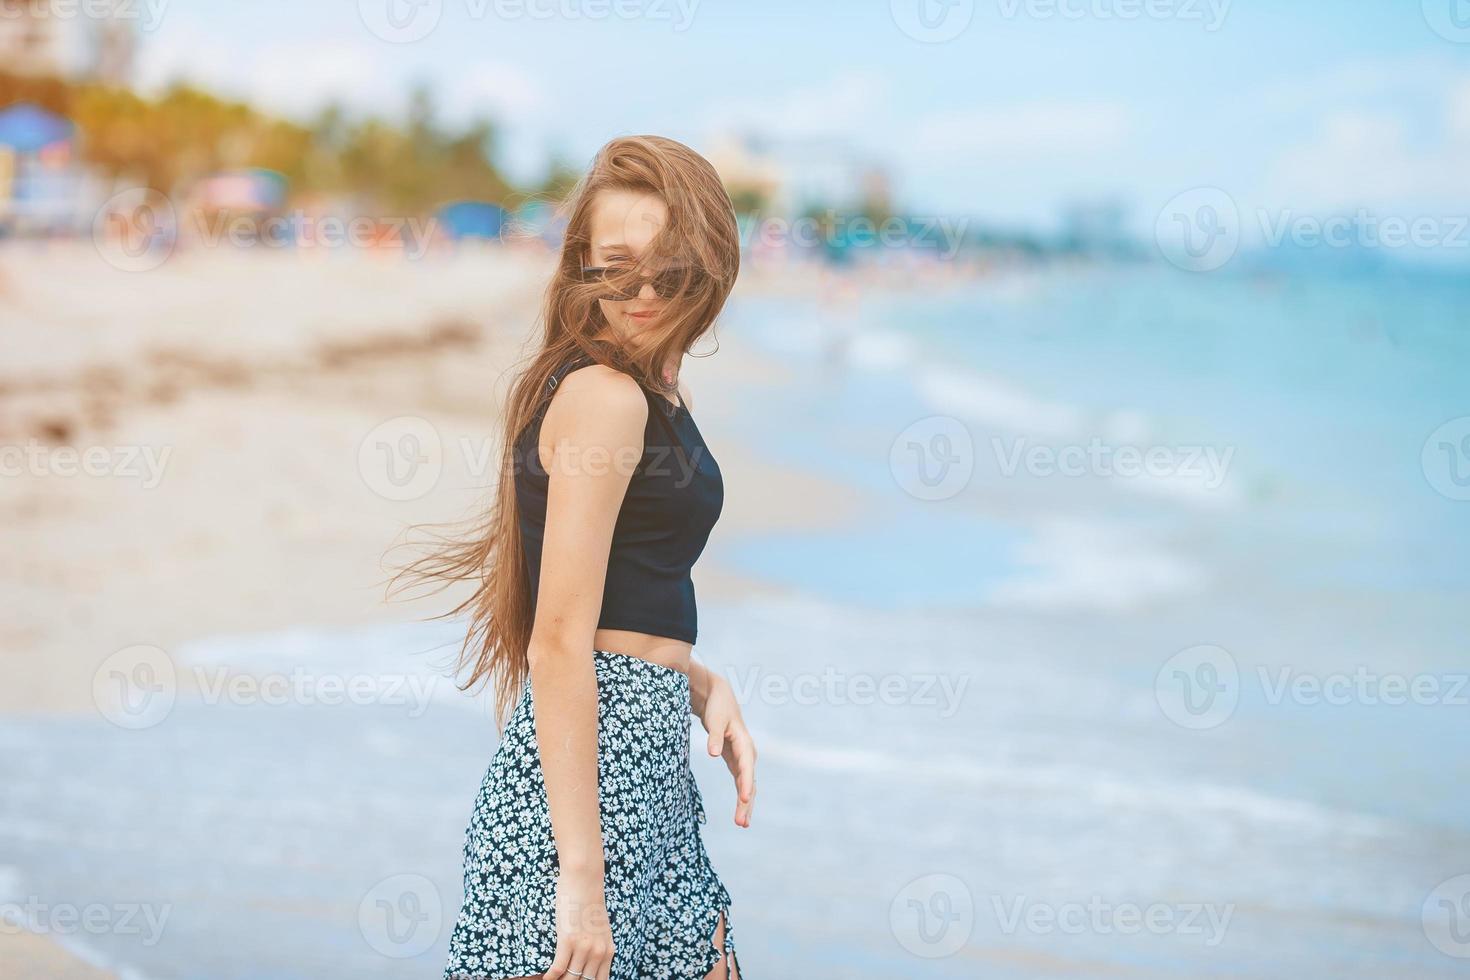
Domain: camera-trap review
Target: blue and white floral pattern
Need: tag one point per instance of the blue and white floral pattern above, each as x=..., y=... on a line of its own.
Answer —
x=664, y=899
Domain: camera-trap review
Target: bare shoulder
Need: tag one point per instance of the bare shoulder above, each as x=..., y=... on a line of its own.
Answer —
x=686, y=394
x=599, y=403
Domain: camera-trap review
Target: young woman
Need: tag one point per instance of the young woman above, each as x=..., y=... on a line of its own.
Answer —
x=583, y=856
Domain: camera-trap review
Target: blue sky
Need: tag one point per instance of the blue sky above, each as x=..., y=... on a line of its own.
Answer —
x=1287, y=104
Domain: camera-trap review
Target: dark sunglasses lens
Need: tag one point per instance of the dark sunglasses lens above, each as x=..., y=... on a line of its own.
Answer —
x=673, y=282
x=607, y=277
x=666, y=284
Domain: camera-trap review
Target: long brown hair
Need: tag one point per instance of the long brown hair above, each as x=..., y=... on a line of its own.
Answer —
x=700, y=237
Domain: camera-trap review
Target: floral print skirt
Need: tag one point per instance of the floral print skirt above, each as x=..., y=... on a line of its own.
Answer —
x=664, y=900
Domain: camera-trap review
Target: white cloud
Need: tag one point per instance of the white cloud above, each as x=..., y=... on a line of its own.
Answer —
x=499, y=91
x=838, y=107
x=1377, y=159
x=1389, y=135
x=295, y=78
x=1457, y=113
x=298, y=78
x=1023, y=130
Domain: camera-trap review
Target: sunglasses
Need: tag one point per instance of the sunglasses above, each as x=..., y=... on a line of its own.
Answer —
x=667, y=283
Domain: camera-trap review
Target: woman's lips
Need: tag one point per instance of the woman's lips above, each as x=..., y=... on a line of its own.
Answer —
x=644, y=314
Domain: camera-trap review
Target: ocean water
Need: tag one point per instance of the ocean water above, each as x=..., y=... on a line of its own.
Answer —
x=1013, y=722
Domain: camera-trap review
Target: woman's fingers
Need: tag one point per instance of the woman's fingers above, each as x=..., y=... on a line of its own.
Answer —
x=741, y=760
x=582, y=959
x=559, y=965
x=734, y=744
x=599, y=964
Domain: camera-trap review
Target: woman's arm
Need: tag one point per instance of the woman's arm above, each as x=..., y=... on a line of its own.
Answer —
x=713, y=701
x=591, y=439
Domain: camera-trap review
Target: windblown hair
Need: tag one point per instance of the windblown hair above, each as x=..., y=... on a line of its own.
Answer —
x=701, y=239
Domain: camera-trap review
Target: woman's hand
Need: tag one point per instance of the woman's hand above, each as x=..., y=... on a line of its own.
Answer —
x=584, y=943
x=729, y=738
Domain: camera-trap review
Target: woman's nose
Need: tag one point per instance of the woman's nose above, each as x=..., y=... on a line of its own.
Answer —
x=647, y=291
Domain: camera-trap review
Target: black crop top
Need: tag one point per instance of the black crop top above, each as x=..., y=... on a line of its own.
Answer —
x=673, y=500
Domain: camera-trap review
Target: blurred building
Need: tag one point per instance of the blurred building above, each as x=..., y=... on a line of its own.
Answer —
x=1097, y=227
x=92, y=40
x=792, y=176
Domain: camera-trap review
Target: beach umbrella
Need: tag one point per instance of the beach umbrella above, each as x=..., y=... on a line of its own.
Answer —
x=27, y=128
x=472, y=219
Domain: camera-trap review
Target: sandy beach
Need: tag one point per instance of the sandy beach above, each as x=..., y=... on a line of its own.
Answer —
x=227, y=398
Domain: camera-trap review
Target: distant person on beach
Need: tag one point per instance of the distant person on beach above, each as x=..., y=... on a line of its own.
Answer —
x=583, y=856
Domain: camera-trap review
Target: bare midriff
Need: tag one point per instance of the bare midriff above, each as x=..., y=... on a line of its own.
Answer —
x=662, y=650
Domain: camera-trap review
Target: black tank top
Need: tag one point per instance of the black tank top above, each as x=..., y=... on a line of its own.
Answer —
x=673, y=500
